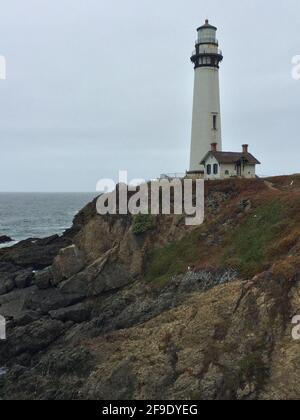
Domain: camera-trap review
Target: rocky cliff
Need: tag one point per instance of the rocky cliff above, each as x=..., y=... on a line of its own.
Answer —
x=126, y=307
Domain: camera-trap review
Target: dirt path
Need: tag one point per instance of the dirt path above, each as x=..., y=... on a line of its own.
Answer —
x=271, y=186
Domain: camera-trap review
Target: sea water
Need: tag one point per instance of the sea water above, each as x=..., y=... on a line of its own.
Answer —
x=38, y=215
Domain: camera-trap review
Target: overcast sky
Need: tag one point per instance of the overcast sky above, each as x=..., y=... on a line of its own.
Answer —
x=94, y=87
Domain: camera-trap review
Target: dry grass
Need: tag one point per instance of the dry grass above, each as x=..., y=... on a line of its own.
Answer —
x=251, y=242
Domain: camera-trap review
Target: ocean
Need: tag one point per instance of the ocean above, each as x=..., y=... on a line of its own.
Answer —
x=38, y=215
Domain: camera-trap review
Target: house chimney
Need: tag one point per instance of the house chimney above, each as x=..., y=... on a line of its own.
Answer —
x=245, y=148
x=206, y=22
x=214, y=147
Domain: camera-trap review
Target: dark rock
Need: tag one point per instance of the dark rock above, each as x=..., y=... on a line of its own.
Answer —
x=35, y=253
x=7, y=283
x=121, y=383
x=112, y=277
x=16, y=371
x=76, y=285
x=26, y=318
x=5, y=239
x=82, y=218
x=8, y=273
x=12, y=303
x=50, y=300
x=64, y=361
x=24, y=279
x=8, y=268
x=77, y=313
x=31, y=338
x=42, y=279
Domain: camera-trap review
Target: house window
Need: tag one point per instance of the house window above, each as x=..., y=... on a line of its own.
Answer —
x=208, y=169
x=226, y=172
x=215, y=122
x=216, y=169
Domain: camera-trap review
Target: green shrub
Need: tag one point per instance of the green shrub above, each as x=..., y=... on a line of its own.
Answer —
x=142, y=223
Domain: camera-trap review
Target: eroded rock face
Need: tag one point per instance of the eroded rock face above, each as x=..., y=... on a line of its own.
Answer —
x=224, y=343
x=91, y=324
x=104, y=275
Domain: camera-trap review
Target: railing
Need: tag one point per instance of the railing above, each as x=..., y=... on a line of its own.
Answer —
x=206, y=40
x=173, y=176
x=218, y=51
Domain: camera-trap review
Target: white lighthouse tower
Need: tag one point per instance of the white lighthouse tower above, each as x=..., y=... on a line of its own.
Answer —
x=206, y=125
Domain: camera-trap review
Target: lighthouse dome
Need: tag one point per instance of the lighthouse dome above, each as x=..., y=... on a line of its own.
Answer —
x=207, y=25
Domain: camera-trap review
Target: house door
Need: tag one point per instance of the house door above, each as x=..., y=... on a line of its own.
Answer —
x=239, y=169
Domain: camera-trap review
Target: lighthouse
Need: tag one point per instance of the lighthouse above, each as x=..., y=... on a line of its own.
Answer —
x=206, y=123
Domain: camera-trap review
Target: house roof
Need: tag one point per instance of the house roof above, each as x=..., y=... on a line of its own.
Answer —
x=232, y=157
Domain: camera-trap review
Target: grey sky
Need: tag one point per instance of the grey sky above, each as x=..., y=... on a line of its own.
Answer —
x=95, y=86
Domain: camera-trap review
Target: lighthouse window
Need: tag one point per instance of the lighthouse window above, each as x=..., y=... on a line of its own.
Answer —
x=214, y=122
x=208, y=169
x=216, y=168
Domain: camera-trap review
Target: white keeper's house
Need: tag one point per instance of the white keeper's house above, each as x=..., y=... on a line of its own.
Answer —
x=222, y=165
x=207, y=157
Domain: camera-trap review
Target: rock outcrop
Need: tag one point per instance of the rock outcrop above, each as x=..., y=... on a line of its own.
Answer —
x=5, y=239
x=173, y=312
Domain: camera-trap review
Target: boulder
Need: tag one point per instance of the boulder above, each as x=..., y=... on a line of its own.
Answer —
x=42, y=279
x=77, y=313
x=24, y=279
x=12, y=303
x=8, y=273
x=69, y=262
x=83, y=282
